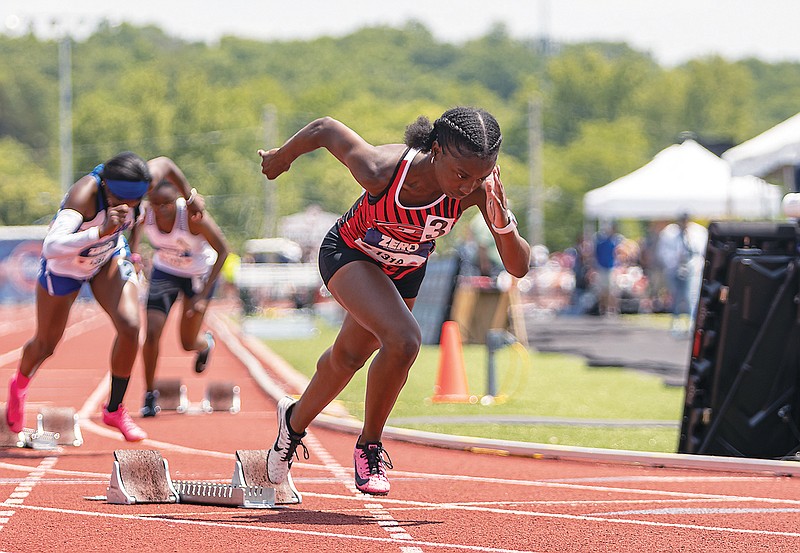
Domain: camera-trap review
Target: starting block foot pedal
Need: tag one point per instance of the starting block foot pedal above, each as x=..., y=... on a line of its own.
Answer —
x=40, y=439
x=140, y=476
x=172, y=395
x=225, y=495
x=222, y=396
x=62, y=422
x=251, y=471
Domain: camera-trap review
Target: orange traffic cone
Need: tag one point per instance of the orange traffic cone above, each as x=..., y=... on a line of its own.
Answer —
x=451, y=383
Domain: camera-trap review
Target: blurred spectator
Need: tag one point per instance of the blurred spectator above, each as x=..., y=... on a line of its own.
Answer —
x=606, y=241
x=479, y=255
x=681, y=247
x=581, y=256
x=651, y=266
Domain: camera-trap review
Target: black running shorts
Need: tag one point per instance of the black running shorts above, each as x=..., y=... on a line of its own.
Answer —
x=335, y=254
x=164, y=289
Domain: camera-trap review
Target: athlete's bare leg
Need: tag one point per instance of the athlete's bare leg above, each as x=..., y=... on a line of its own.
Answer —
x=155, y=326
x=120, y=299
x=52, y=313
x=377, y=318
x=190, y=328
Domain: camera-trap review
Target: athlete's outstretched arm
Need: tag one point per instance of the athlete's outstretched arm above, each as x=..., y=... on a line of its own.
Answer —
x=365, y=161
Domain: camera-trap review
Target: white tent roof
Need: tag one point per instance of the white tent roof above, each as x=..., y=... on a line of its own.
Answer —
x=683, y=178
x=767, y=152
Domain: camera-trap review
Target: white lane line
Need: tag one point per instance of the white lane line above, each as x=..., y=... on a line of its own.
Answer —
x=633, y=491
x=482, y=509
x=18, y=496
x=171, y=520
x=345, y=476
x=73, y=330
x=698, y=511
x=27, y=468
x=662, y=479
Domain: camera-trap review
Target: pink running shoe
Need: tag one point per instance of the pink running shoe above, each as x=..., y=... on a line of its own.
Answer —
x=122, y=421
x=370, y=472
x=15, y=409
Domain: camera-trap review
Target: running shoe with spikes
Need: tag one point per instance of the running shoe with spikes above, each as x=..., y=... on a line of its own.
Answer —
x=15, y=408
x=150, y=407
x=280, y=456
x=202, y=356
x=371, y=462
x=122, y=421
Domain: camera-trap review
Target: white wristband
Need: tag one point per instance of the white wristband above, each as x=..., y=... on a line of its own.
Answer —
x=192, y=196
x=512, y=224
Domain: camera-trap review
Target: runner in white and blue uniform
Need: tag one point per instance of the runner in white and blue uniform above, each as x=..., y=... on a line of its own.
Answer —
x=85, y=244
x=189, y=254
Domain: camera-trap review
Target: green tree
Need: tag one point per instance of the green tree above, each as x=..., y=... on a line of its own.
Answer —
x=29, y=195
x=603, y=152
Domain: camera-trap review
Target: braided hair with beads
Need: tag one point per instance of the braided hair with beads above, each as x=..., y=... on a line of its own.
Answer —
x=468, y=131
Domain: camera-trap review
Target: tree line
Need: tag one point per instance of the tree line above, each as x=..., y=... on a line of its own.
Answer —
x=606, y=110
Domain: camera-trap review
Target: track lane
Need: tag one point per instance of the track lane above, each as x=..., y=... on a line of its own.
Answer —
x=442, y=500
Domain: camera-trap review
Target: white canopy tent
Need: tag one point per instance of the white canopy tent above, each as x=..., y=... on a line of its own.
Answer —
x=684, y=178
x=770, y=151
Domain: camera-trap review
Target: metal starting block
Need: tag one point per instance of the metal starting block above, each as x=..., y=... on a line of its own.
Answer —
x=222, y=396
x=172, y=395
x=251, y=470
x=62, y=422
x=142, y=476
x=28, y=437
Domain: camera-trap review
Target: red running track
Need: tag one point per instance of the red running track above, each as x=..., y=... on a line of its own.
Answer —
x=442, y=500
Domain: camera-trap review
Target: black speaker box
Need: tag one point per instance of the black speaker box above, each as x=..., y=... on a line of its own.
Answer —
x=743, y=383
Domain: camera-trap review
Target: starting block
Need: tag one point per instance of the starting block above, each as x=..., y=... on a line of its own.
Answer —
x=142, y=476
x=28, y=437
x=222, y=396
x=251, y=470
x=62, y=422
x=172, y=395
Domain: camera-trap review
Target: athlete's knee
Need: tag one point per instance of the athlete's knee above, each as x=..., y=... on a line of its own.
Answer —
x=152, y=335
x=128, y=329
x=348, y=362
x=404, y=345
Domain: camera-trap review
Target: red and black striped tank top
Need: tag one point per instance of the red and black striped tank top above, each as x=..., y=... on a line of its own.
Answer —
x=399, y=237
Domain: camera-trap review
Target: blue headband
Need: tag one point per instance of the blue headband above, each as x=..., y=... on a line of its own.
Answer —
x=127, y=190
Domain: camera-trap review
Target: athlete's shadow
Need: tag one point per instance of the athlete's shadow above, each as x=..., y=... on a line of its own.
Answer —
x=310, y=517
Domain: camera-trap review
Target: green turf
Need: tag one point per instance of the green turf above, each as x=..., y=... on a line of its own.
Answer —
x=530, y=384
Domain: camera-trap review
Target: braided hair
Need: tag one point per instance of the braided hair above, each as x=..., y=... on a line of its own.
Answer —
x=469, y=131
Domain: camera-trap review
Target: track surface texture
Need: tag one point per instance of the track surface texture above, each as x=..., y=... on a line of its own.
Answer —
x=442, y=500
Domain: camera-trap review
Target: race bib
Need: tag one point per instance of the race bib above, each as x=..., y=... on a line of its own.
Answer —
x=175, y=258
x=390, y=251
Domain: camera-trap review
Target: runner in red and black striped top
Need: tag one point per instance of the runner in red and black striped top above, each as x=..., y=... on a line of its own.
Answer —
x=373, y=260
x=399, y=237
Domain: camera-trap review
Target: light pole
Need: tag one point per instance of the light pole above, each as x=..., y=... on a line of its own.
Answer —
x=270, y=193
x=65, y=110
x=535, y=179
